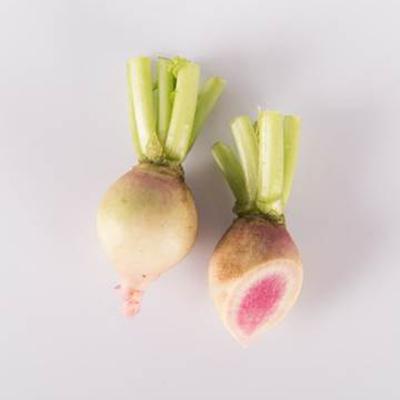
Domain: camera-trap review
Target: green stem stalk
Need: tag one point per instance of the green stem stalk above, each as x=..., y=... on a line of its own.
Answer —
x=141, y=92
x=165, y=90
x=132, y=124
x=246, y=144
x=206, y=101
x=262, y=180
x=270, y=169
x=183, y=111
x=165, y=116
x=232, y=171
x=291, y=128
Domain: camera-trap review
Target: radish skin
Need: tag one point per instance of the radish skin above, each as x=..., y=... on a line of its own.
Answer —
x=147, y=220
x=255, y=272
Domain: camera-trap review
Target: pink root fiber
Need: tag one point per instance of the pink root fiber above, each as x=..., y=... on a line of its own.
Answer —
x=130, y=300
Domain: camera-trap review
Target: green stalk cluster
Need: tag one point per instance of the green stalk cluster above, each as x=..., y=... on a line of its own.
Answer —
x=167, y=112
x=261, y=175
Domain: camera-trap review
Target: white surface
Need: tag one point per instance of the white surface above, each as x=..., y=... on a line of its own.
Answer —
x=64, y=139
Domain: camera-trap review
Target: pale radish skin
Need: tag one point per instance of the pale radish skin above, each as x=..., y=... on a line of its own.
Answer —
x=149, y=201
x=147, y=220
x=255, y=273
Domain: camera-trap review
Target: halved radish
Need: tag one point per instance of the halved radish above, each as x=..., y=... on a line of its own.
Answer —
x=255, y=273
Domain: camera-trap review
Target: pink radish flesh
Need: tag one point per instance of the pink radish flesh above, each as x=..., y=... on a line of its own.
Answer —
x=260, y=301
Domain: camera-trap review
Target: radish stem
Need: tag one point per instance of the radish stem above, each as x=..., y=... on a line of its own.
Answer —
x=230, y=167
x=132, y=123
x=165, y=90
x=183, y=111
x=262, y=180
x=166, y=116
x=208, y=96
x=270, y=184
x=291, y=128
x=246, y=143
x=141, y=89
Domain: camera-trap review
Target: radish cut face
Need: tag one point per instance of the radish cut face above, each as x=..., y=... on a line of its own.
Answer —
x=255, y=277
x=260, y=301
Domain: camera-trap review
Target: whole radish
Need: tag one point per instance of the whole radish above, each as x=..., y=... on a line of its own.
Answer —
x=255, y=273
x=147, y=220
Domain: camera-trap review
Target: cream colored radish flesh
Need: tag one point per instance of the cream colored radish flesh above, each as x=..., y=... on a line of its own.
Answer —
x=255, y=273
x=147, y=220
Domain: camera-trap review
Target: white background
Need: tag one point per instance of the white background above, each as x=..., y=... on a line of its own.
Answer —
x=65, y=138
